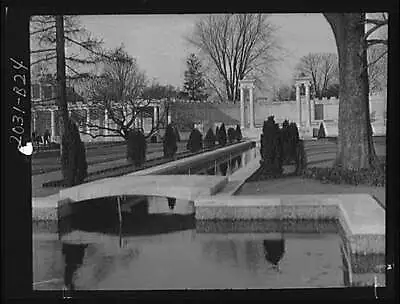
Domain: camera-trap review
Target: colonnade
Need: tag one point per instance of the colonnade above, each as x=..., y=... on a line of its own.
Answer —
x=248, y=84
x=52, y=109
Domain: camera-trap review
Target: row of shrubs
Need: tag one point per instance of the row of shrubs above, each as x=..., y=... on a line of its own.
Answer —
x=338, y=175
x=196, y=142
x=281, y=146
x=136, y=142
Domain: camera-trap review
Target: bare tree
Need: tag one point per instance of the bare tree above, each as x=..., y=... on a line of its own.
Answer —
x=322, y=68
x=377, y=54
x=236, y=45
x=121, y=91
x=355, y=146
x=81, y=48
x=377, y=67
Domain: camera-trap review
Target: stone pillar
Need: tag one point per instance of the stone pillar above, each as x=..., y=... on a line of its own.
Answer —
x=298, y=101
x=308, y=123
x=105, y=122
x=34, y=121
x=251, y=106
x=169, y=118
x=87, y=119
x=242, y=124
x=53, y=124
x=40, y=91
x=155, y=116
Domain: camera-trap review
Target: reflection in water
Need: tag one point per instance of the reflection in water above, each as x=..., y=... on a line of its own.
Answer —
x=274, y=251
x=171, y=202
x=136, y=219
x=223, y=167
x=73, y=256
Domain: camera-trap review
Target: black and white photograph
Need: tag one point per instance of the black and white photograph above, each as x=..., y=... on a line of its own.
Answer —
x=206, y=151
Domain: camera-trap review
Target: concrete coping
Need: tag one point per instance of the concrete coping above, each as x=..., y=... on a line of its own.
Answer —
x=180, y=162
x=359, y=215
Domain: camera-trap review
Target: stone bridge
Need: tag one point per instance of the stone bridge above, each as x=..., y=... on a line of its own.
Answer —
x=175, y=186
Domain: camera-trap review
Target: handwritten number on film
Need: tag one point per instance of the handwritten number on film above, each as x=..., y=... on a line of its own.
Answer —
x=19, y=77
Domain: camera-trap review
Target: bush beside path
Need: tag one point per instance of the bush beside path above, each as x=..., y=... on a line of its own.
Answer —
x=319, y=154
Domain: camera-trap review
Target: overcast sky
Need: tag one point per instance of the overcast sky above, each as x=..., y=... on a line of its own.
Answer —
x=157, y=41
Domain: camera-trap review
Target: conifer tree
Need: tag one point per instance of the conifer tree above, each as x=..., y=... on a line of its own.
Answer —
x=194, y=80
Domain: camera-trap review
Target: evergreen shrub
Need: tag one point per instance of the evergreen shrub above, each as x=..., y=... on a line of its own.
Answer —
x=221, y=135
x=231, y=135
x=321, y=131
x=209, y=140
x=271, y=148
x=238, y=133
x=195, y=142
x=169, y=142
x=339, y=175
x=136, y=148
x=73, y=156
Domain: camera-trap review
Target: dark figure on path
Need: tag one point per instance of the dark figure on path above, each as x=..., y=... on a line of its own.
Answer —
x=73, y=257
x=46, y=137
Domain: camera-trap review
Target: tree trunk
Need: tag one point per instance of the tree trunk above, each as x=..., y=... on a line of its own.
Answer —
x=355, y=145
x=61, y=83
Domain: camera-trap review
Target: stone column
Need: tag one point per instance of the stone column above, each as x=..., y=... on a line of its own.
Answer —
x=242, y=107
x=53, y=124
x=105, y=122
x=252, y=125
x=155, y=115
x=40, y=91
x=298, y=101
x=169, y=118
x=34, y=121
x=308, y=123
x=87, y=119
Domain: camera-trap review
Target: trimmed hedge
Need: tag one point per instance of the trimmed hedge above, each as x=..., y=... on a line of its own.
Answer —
x=271, y=148
x=195, y=142
x=169, y=142
x=209, y=140
x=238, y=133
x=338, y=175
x=231, y=135
x=221, y=135
x=321, y=131
x=136, y=148
x=281, y=146
x=73, y=156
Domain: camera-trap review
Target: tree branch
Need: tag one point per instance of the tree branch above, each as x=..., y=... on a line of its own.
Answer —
x=378, y=58
x=42, y=51
x=42, y=30
x=44, y=59
x=89, y=49
x=376, y=41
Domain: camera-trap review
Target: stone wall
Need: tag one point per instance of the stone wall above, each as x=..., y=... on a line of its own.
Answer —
x=210, y=115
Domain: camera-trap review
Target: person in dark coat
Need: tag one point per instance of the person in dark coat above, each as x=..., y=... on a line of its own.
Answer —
x=46, y=137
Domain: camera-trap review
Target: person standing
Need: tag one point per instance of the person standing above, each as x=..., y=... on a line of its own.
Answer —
x=46, y=137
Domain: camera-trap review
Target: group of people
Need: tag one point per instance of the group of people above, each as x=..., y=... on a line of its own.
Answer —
x=39, y=139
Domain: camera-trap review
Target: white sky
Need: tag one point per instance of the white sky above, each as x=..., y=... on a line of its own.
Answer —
x=158, y=44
